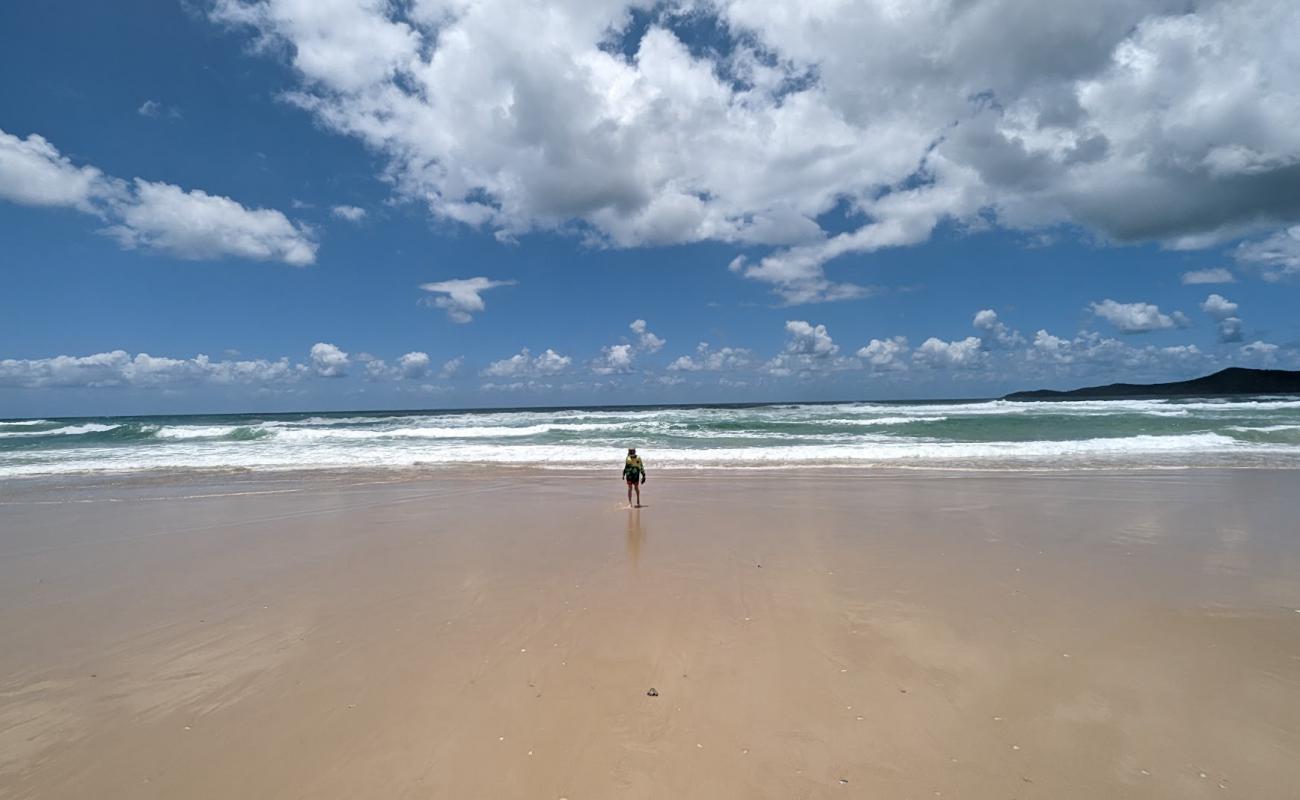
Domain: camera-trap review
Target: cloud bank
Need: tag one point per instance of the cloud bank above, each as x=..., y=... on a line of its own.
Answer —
x=1171, y=121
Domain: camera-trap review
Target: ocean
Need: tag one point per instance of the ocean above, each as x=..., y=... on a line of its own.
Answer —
x=995, y=434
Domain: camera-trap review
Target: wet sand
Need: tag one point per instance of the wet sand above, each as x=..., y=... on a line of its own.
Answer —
x=494, y=635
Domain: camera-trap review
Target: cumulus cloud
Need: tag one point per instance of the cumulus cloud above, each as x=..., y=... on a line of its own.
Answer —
x=1263, y=353
x=808, y=348
x=329, y=361
x=965, y=353
x=1051, y=348
x=1230, y=329
x=158, y=216
x=987, y=320
x=809, y=340
x=197, y=225
x=349, y=213
x=1224, y=312
x=34, y=173
x=614, y=359
x=709, y=359
x=1277, y=256
x=377, y=369
x=461, y=298
x=1137, y=317
x=524, y=364
x=1093, y=353
x=1218, y=306
x=885, y=353
x=646, y=340
x=413, y=365
x=451, y=367
x=119, y=368
x=1202, y=276
x=1156, y=120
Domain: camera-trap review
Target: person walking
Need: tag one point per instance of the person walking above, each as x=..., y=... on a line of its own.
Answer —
x=634, y=474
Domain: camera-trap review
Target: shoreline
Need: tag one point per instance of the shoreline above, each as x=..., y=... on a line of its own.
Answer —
x=486, y=470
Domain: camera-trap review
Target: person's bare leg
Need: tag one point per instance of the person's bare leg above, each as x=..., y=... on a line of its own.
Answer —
x=636, y=486
x=629, y=495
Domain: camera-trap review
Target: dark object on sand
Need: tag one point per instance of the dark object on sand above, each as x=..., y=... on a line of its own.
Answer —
x=1233, y=380
x=652, y=693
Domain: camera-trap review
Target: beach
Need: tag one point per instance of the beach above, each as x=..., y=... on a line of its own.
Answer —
x=496, y=633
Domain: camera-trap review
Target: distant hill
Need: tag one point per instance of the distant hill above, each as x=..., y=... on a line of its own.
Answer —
x=1233, y=380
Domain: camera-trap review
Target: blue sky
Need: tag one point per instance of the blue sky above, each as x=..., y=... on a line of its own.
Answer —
x=253, y=194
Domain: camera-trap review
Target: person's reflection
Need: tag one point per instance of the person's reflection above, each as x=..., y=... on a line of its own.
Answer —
x=635, y=536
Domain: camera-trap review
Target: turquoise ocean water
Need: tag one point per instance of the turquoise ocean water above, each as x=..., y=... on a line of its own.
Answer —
x=1239, y=432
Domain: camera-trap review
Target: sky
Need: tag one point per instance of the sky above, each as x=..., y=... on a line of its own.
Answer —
x=273, y=205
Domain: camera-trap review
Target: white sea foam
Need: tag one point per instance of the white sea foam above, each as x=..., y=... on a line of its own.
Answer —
x=883, y=420
x=70, y=430
x=458, y=432
x=790, y=436
x=196, y=431
x=1135, y=450
x=18, y=423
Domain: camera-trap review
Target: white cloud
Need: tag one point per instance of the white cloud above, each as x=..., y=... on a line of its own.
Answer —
x=377, y=369
x=965, y=353
x=809, y=340
x=155, y=109
x=328, y=361
x=523, y=364
x=159, y=216
x=34, y=173
x=1224, y=312
x=197, y=225
x=1051, y=348
x=1218, y=306
x=451, y=367
x=1091, y=353
x=707, y=359
x=1137, y=317
x=1230, y=329
x=1203, y=276
x=1003, y=336
x=614, y=359
x=1278, y=255
x=797, y=278
x=808, y=349
x=461, y=298
x=413, y=365
x=618, y=358
x=1261, y=352
x=1153, y=120
x=119, y=368
x=349, y=213
x=885, y=353
x=646, y=340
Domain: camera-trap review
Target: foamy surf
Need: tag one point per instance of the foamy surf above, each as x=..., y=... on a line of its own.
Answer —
x=981, y=435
